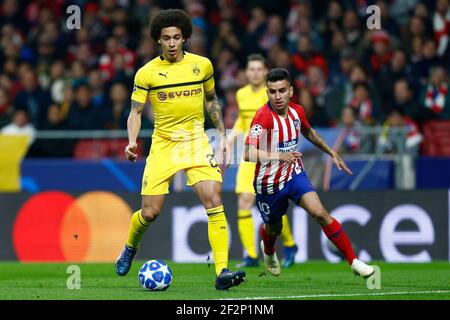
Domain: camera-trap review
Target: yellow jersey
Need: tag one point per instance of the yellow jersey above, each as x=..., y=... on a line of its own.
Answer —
x=176, y=93
x=248, y=102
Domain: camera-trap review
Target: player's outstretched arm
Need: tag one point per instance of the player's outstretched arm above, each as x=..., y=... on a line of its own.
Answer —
x=215, y=112
x=133, y=127
x=252, y=154
x=315, y=139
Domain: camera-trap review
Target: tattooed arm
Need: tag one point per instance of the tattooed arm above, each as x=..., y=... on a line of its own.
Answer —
x=315, y=139
x=215, y=112
x=133, y=127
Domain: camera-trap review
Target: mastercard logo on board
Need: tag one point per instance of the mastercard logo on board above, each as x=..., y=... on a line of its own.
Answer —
x=55, y=226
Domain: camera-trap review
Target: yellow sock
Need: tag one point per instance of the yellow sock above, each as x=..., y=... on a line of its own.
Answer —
x=286, y=234
x=218, y=237
x=247, y=232
x=137, y=229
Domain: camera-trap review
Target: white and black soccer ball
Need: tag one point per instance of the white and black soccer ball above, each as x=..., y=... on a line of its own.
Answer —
x=155, y=275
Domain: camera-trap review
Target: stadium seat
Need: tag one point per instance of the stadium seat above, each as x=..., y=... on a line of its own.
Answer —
x=95, y=149
x=436, y=138
x=91, y=149
x=116, y=147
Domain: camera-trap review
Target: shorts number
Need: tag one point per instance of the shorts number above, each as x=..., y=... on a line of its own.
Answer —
x=264, y=208
x=212, y=160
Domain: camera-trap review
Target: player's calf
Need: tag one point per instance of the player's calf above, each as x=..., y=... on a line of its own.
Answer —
x=321, y=216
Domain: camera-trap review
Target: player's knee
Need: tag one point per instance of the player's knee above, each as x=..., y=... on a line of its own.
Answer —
x=213, y=200
x=150, y=213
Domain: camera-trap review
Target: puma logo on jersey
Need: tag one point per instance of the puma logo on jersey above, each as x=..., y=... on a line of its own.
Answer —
x=163, y=74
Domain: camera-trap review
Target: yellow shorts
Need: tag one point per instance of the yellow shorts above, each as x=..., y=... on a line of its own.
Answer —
x=244, y=177
x=167, y=157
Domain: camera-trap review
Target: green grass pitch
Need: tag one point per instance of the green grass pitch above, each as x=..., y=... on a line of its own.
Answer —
x=312, y=280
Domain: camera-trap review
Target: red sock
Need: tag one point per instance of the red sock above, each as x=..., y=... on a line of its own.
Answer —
x=269, y=241
x=337, y=235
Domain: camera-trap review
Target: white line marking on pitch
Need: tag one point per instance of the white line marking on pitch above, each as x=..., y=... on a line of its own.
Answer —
x=330, y=295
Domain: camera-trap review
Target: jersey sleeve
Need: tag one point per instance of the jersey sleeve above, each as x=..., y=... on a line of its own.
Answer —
x=208, y=82
x=140, y=88
x=259, y=128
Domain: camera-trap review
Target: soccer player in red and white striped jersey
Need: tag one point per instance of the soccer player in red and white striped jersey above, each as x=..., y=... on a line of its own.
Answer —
x=278, y=134
x=273, y=143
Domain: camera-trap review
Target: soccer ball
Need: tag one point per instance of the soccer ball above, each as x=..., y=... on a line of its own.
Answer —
x=155, y=275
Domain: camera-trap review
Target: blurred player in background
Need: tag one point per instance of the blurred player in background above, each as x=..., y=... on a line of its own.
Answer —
x=176, y=83
x=279, y=176
x=249, y=99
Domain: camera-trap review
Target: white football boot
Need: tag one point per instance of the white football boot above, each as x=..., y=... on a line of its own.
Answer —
x=271, y=262
x=361, y=269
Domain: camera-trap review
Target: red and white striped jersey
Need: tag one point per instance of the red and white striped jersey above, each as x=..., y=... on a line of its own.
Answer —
x=272, y=132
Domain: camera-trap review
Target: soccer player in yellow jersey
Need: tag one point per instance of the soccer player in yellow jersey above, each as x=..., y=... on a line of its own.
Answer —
x=176, y=84
x=249, y=99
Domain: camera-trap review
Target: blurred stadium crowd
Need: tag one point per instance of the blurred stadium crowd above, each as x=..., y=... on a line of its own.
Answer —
x=52, y=78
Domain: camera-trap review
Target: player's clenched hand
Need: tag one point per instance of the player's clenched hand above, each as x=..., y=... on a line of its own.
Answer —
x=340, y=164
x=130, y=150
x=290, y=157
